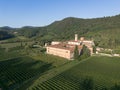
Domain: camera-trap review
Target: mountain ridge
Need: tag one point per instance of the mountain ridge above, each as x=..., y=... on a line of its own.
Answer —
x=105, y=31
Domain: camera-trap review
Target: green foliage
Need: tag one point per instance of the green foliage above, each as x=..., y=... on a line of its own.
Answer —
x=105, y=31
x=115, y=87
x=106, y=51
x=5, y=35
x=6, y=28
x=99, y=29
x=31, y=31
x=94, y=49
x=43, y=50
x=87, y=84
x=85, y=52
x=21, y=44
x=76, y=52
x=116, y=51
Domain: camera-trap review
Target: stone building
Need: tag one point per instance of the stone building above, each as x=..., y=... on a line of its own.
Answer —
x=62, y=50
x=66, y=50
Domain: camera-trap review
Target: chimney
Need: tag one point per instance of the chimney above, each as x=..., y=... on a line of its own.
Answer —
x=82, y=38
x=76, y=37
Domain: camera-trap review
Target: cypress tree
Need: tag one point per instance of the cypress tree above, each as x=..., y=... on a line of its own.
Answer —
x=76, y=52
x=94, y=49
x=85, y=52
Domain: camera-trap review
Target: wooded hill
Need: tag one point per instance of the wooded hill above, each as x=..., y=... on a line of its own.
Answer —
x=104, y=31
x=5, y=35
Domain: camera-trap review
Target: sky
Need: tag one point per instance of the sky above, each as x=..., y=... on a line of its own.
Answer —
x=19, y=13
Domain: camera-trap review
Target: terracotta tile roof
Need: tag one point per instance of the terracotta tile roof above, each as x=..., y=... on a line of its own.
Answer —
x=74, y=41
x=65, y=47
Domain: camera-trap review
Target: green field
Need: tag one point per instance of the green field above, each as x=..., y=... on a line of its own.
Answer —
x=55, y=60
x=24, y=68
x=11, y=45
x=20, y=66
x=103, y=70
x=16, y=71
x=7, y=55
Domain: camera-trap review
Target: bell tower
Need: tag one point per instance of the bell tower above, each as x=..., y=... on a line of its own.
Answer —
x=76, y=37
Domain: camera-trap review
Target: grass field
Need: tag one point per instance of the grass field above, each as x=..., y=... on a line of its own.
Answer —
x=103, y=70
x=11, y=45
x=6, y=55
x=56, y=61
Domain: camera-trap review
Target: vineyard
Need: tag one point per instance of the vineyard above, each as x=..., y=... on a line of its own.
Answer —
x=19, y=66
x=55, y=60
x=60, y=82
x=103, y=70
x=14, y=72
x=24, y=68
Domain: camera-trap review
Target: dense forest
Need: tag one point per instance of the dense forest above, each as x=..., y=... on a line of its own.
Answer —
x=104, y=31
x=5, y=35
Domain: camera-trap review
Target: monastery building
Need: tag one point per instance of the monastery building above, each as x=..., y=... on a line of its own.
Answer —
x=66, y=49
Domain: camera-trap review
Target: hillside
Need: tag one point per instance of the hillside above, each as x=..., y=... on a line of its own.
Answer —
x=105, y=31
x=20, y=64
x=102, y=70
x=5, y=35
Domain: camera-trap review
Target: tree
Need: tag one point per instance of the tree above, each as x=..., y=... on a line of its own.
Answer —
x=94, y=49
x=5, y=35
x=76, y=52
x=87, y=84
x=85, y=52
x=21, y=44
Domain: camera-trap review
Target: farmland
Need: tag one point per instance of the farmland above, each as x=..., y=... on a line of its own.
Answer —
x=15, y=71
x=55, y=60
x=104, y=71
x=24, y=67
x=21, y=65
x=12, y=50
